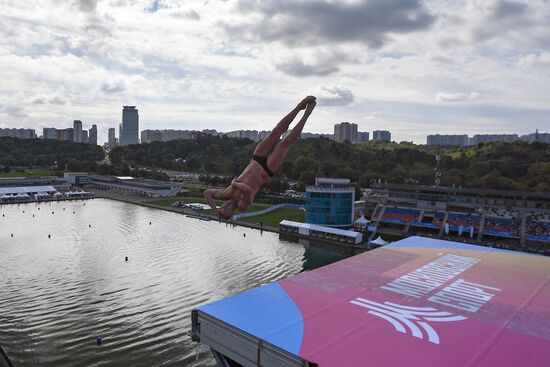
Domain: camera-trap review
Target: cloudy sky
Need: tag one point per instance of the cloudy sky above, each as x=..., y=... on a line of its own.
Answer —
x=410, y=66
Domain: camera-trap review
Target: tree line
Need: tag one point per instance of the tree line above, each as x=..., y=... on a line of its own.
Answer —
x=511, y=166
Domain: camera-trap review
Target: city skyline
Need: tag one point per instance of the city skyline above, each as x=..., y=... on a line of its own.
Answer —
x=439, y=67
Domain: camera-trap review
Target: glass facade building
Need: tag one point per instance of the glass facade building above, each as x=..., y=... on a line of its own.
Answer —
x=330, y=202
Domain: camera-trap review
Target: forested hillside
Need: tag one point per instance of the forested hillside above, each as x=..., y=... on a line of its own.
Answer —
x=516, y=165
x=38, y=152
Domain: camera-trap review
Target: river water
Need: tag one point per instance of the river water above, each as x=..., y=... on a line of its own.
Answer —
x=59, y=293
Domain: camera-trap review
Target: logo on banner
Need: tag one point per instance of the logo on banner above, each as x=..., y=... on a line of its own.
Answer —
x=415, y=320
x=428, y=283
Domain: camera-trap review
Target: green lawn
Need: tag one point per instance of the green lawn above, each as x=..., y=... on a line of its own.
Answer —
x=47, y=172
x=275, y=217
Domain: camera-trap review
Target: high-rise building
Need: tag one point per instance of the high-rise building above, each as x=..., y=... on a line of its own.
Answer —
x=17, y=133
x=536, y=136
x=50, y=133
x=111, y=138
x=331, y=202
x=362, y=137
x=448, y=140
x=65, y=134
x=148, y=136
x=345, y=131
x=84, y=137
x=92, y=135
x=129, y=128
x=381, y=135
x=487, y=138
x=77, y=128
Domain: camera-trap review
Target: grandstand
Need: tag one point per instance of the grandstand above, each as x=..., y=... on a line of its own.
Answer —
x=538, y=230
x=515, y=220
x=399, y=215
x=503, y=226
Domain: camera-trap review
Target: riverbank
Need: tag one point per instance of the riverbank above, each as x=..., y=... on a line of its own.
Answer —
x=140, y=200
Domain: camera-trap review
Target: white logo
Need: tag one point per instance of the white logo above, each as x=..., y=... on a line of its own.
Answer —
x=413, y=318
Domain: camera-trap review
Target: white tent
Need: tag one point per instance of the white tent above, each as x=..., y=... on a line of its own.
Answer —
x=379, y=241
x=361, y=223
x=58, y=194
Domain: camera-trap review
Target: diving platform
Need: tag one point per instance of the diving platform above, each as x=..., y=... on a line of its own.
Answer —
x=414, y=302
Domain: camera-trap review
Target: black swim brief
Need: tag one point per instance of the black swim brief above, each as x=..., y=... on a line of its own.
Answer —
x=263, y=162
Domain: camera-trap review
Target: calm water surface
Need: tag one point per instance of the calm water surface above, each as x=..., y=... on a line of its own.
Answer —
x=59, y=293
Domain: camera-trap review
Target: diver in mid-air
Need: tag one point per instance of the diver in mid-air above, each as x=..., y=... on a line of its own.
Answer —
x=268, y=156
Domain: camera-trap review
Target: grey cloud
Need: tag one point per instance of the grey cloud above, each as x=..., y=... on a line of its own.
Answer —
x=113, y=87
x=335, y=97
x=299, y=68
x=55, y=100
x=324, y=63
x=503, y=9
x=502, y=18
x=15, y=111
x=58, y=101
x=86, y=5
x=306, y=23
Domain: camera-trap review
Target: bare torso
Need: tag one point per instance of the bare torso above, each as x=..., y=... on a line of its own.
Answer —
x=254, y=176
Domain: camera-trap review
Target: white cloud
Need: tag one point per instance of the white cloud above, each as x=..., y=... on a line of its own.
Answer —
x=180, y=64
x=455, y=97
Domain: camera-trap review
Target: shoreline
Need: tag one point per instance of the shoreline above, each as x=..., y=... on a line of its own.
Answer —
x=139, y=200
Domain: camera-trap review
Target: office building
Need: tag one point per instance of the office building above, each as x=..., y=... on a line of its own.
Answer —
x=148, y=136
x=49, y=133
x=84, y=137
x=92, y=135
x=66, y=134
x=362, y=137
x=345, y=131
x=448, y=140
x=488, y=138
x=17, y=133
x=536, y=137
x=129, y=128
x=330, y=202
x=77, y=129
x=111, y=138
x=381, y=135
x=244, y=134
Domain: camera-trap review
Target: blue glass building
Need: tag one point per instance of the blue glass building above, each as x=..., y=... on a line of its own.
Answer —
x=330, y=202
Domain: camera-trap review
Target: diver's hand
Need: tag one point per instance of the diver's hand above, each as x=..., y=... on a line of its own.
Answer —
x=303, y=104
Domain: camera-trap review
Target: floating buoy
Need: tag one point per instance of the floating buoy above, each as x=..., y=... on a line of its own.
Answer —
x=52, y=212
x=149, y=223
x=63, y=208
x=98, y=340
x=23, y=211
x=12, y=234
x=33, y=215
x=73, y=212
x=89, y=226
x=126, y=258
x=49, y=236
x=38, y=208
x=244, y=234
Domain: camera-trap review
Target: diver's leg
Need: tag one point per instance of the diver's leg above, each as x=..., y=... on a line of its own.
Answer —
x=267, y=145
x=275, y=159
